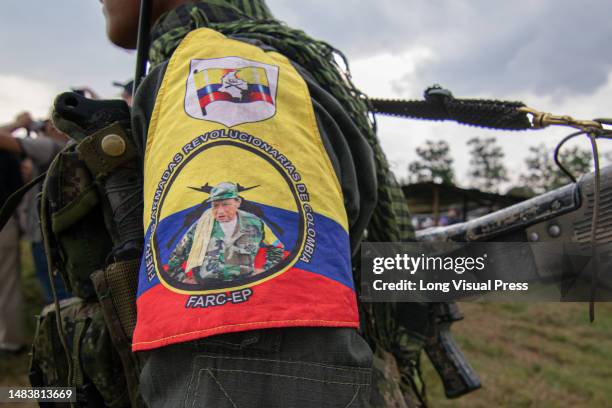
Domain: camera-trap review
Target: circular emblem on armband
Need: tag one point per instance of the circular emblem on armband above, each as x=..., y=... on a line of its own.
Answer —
x=229, y=215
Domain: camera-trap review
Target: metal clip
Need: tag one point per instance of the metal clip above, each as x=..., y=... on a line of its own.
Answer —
x=544, y=119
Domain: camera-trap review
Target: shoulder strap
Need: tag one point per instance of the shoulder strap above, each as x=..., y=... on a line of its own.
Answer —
x=14, y=199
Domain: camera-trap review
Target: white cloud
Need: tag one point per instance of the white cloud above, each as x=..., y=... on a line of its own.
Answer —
x=375, y=75
x=23, y=94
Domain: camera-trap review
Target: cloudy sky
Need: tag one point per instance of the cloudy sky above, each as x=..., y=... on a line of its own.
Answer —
x=552, y=55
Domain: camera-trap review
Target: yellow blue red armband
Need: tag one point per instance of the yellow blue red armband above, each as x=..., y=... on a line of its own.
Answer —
x=244, y=216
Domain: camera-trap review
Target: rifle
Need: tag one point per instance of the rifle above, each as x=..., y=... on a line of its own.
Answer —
x=561, y=215
x=444, y=353
x=568, y=214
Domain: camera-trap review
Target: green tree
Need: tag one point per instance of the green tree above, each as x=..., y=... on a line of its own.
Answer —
x=544, y=175
x=521, y=191
x=434, y=163
x=487, y=170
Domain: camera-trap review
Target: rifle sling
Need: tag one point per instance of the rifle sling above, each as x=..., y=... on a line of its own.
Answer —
x=439, y=104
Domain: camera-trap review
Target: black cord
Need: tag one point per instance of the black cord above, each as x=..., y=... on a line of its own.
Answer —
x=558, y=149
x=593, y=134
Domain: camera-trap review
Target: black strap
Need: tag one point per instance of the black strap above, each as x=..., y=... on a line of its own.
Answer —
x=439, y=104
x=142, y=42
x=11, y=203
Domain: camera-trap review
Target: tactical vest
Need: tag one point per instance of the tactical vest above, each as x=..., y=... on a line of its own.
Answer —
x=93, y=240
x=228, y=112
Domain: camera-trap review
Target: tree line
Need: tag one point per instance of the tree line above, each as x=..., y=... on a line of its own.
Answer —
x=488, y=172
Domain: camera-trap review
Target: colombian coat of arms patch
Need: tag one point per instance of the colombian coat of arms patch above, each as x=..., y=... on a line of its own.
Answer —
x=231, y=90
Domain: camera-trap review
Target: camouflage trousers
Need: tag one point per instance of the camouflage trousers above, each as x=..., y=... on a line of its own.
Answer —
x=392, y=387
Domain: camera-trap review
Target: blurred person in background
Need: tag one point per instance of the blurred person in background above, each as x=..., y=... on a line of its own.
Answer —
x=451, y=217
x=126, y=91
x=86, y=92
x=38, y=152
x=11, y=296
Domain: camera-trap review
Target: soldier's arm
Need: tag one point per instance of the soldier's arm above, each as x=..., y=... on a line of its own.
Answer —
x=8, y=142
x=23, y=120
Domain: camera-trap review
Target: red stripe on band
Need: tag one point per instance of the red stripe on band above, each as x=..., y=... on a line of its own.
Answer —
x=214, y=96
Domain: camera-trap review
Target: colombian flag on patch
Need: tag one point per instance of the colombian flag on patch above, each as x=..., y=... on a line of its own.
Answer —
x=245, y=225
x=242, y=85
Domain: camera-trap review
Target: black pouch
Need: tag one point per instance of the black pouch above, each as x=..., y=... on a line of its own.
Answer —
x=116, y=288
x=80, y=242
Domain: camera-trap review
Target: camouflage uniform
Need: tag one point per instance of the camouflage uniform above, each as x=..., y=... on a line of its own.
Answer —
x=96, y=361
x=226, y=259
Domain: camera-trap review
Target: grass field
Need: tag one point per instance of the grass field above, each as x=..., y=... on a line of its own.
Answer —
x=527, y=355
x=534, y=355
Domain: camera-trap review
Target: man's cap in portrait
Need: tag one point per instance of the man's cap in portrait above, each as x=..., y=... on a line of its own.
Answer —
x=223, y=191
